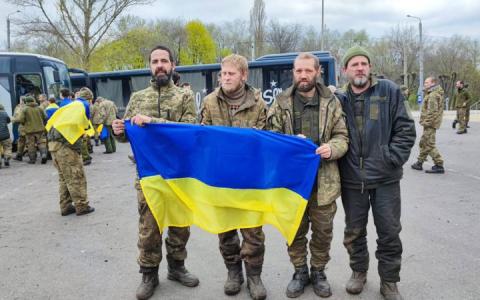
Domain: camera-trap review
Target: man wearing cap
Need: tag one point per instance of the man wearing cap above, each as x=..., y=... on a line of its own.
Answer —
x=382, y=134
x=32, y=117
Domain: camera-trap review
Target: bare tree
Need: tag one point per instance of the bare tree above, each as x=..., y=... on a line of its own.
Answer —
x=80, y=25
x=258, y=20
x=284, y=37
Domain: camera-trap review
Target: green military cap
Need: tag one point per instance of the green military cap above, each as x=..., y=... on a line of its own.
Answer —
x=355, y=51
x=85, y=93
x=28, y=99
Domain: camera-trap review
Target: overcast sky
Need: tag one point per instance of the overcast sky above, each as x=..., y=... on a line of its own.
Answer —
x=440, y=18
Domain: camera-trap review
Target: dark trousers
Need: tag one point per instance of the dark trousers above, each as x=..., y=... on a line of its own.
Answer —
x=386, y=210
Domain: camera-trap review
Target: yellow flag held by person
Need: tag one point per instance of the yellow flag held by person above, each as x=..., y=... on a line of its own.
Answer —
x=71, y=121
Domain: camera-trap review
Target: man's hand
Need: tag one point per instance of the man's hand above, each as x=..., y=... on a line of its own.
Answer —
x=140, y=120
x=325, y=151
x=118, y=126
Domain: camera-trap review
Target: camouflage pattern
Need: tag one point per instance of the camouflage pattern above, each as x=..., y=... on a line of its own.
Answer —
x=431, y=119
x=252, y=113
x=6, y=146
x=108, y=111
x=71, y=176
x=321, y=218
x=21, y=132
x=43, y=105
x=432, y=108
x=427, y=147
x=164, y=104
x=332, y=131
x=462, y=104
x=110, y=146
x=95, y=114
x=85, y=146
x=32, y=117
x=34, y=140
x=150, y=238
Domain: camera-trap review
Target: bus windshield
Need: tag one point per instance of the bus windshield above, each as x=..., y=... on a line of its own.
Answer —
x=56, y=79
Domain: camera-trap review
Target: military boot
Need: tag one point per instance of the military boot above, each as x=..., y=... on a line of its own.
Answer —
x=255, y=287
x=462, y=131
x=356, y=282
x=436, y=169
x=43, y=154
x=19, y=157
x=178, y=272
x=320, y=284
x=299, y=280
x=234, y=279
x=417, y=166
x=454, y=124
x=84, y=210
x=390, y=291
x=149, y=282
x=69, y=210
x=7, y=162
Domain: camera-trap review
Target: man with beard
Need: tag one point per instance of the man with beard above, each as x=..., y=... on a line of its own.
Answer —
x=236, y=104
x=382, y=134
x=310, y=110
x=161, y=102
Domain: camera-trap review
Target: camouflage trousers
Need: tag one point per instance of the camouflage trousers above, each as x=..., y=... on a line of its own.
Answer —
x=462, y=118
x=6, y=146
x=427, y=147
x=467, y=115
x=385, y=202
x=150, y=238
x=110, y=145
x=34, y=140
x=71, y=176
x=251, y=252
x=20, y=145
x=321, y=220
x=86, y=144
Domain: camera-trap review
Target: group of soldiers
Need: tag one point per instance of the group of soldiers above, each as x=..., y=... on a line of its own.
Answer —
x=431, y=118
x=364, y=134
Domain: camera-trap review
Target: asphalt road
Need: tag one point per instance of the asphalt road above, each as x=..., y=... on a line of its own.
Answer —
x=46, y=256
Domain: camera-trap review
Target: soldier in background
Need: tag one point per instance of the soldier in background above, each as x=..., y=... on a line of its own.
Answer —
x=85, y=96
x=5, y=141
x=21, y=131
x=96, y=118
x=32, y=117
x=316, y=114
x=67, y=160
x=236, y=104
x=108, y=113
x=462, y=104
x=43, y=101
x=431, y=119
x=161, y=102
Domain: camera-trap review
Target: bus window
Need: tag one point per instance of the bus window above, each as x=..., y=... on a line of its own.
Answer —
x=52, y=80
x=5, y=65
x=28, y=84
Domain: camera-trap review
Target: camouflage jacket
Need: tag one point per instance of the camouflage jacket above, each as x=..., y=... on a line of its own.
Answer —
x=32, y=117
x=252, y=113
x=332, y=131
x=95, y=113
x=462, y=98
x=432, y=108
x=108, y=112
x=15, y=119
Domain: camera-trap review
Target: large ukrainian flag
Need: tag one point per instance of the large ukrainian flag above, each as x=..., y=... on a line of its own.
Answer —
x=71, y=121
x=223, y=178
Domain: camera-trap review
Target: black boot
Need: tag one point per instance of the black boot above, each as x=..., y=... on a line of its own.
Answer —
x=417, y=166
x=436, y=169
x=390, y=291
x=19, y=157
x=43, y=154
x=234, y=280
x=320, y=284
x=7, y=162
x=454, y=124
x=300, y=279
x=149, y=282
x=178, y=272
x=85, y=210
x=356, y=282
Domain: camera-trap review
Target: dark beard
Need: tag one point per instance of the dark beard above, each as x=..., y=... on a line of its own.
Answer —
x=162, y=80
x=305, y=88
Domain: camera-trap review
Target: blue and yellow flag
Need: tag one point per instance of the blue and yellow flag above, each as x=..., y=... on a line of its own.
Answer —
x=70, y=120
x=223, y=178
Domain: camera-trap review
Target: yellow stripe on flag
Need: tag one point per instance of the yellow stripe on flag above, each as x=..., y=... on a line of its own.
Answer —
x=70, y=120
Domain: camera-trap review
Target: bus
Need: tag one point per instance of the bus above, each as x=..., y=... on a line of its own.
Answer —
x=272, y=73
x=26, y=73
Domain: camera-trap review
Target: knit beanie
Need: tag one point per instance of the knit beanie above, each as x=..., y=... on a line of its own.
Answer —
x=355, y=51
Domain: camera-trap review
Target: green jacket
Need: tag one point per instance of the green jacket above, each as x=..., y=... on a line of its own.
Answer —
x=332, y=131
x=432, y=108
x=462, y=98
x=32, y=117
x=252, y=113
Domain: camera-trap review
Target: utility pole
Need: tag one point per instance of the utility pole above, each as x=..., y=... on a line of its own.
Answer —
x=8, y=28
x=420, y=79
x=323, y=27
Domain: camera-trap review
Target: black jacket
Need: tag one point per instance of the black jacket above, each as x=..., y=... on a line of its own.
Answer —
x=376, y=155
x=4, y=120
